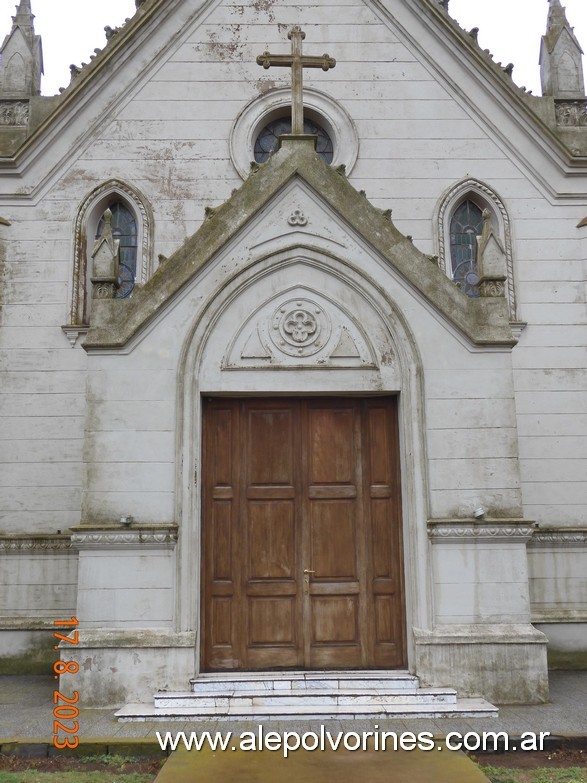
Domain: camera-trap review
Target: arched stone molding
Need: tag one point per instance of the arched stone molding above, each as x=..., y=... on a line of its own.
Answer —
x=17, y=74
x=202, y=370
x=317, y=106
x=87, y=219
x=485, y=198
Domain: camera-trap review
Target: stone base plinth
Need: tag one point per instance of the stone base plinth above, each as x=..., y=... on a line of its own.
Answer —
x=116, y=667
x=503, y=663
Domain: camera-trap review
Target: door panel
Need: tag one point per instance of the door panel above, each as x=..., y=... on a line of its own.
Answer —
x=301, y=536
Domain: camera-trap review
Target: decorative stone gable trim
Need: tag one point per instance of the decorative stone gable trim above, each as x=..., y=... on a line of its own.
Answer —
x=441, y=531
x=122, y=537
x=483, y=320
x=48, y=543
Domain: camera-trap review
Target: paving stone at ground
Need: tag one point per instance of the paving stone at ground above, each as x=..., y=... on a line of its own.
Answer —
x=317, y=766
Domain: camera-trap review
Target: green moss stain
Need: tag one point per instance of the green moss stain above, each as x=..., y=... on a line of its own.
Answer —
x=565, y=660
x=38, y=660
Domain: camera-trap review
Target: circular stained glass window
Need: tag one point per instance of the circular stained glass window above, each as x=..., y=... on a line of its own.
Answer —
x=268, y=140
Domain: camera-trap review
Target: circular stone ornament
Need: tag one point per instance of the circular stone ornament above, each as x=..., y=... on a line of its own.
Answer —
x=300, y=327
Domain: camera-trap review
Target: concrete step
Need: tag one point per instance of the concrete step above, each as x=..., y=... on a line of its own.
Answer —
x=469, y=708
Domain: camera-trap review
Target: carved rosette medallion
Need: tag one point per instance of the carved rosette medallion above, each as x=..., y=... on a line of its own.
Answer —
x=300, y=327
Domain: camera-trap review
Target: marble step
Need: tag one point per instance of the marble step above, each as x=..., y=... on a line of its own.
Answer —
x=314, y=697
x=222, y=683
x=463, y=708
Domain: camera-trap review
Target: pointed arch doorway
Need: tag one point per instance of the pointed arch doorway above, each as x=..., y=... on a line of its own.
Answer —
x=301, y=534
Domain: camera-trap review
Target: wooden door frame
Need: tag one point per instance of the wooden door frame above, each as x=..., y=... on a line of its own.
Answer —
x=400, y=371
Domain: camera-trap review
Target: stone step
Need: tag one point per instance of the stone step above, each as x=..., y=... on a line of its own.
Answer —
x=306, y=695
x=468, y=708
x=310, y=698
x=223, y=682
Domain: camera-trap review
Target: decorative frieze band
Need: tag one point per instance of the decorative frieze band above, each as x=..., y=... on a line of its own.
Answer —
x=571, y=113
x=560, y=537
x=14, y=113
x=449, y=530
x=143, y=537
x=48, y=543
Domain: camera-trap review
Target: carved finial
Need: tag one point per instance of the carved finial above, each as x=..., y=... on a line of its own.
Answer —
x=105, y=261
x=209, y=212
x=509, y=69
x=491, y=260
x=386, y=213
x=474, y=33
x=21, y=58
x=24, y=17
x=106, y=232
x=561, y=63
x=341, y=170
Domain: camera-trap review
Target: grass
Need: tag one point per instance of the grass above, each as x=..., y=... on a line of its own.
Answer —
x=540, y=775
x=32, y=776
x=85, y=769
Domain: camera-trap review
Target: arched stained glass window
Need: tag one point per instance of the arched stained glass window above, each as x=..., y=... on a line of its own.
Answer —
x=124, y=228
x=268, y=139
x=465, y=226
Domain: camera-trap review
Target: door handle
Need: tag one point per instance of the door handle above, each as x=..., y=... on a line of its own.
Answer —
x=307, y=572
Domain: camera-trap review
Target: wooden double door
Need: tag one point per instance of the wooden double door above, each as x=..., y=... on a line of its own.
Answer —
x=301, y=534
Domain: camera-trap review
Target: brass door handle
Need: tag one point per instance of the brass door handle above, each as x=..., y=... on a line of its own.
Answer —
x=308, y=571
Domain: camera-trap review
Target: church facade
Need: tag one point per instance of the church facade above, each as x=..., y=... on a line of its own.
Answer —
x=293, y=393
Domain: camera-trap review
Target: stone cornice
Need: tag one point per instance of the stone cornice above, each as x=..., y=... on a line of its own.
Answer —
x=124, y=537
x=559, y=537
x=100, y=638
x=34, y=623
x=32, y=543
x=449, y=530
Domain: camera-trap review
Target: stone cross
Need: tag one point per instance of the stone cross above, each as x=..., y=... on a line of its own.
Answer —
x=297, y=62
